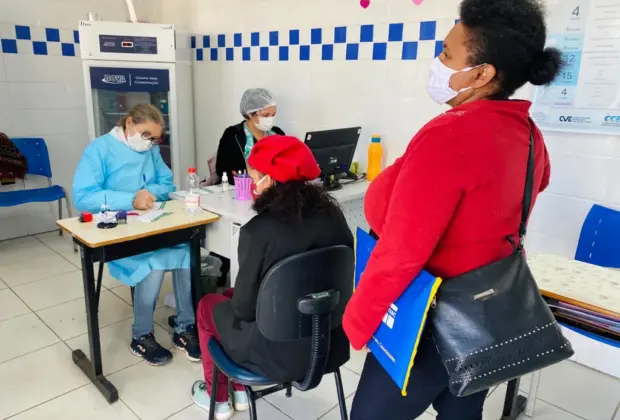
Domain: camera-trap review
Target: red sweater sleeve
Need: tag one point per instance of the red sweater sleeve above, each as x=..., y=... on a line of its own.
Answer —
x=424, y=198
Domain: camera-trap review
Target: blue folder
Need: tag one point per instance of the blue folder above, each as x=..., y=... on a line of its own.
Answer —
x=396, y=341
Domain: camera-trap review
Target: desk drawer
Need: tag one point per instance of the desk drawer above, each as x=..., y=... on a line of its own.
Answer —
x=218, y=237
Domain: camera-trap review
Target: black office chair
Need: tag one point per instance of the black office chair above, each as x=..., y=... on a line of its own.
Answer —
x=303, y=296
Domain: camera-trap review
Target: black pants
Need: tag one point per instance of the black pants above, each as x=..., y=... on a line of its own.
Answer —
x=378, y=397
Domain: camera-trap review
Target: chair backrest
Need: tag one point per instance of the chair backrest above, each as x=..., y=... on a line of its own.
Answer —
x=35, y=151
x=599, y=242
x=292, y=279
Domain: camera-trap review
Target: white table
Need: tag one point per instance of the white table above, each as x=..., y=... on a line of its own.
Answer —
x=223, y=236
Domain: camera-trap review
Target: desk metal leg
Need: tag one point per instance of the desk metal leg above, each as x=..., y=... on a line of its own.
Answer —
x=93, y=367
x=531, y=398
x=514, y=404
x=194, y=255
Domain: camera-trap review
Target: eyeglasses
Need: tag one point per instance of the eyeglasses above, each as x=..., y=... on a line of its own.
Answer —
x=147, y=135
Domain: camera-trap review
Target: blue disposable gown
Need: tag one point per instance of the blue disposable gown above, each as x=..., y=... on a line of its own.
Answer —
x=111, y=172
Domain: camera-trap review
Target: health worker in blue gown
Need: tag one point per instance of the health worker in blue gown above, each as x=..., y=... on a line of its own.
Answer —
x=124, y=169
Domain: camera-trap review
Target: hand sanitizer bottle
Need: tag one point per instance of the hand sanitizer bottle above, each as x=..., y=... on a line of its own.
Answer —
x=225, y=183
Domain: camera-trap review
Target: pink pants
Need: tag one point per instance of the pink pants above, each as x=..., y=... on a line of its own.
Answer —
x=206, y=330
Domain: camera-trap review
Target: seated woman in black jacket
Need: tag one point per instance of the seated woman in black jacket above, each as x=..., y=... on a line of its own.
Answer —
x=258, y=107
x=293, y=217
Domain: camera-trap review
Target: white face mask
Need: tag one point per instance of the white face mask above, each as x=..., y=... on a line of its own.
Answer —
x=137, y=143
x=439, y=82
x=265, y=123
x=255, y=193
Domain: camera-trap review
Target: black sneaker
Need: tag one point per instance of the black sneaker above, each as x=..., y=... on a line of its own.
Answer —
x=150, y=350
x=188, y=342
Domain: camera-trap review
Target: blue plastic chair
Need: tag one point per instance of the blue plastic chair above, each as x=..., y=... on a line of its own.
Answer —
x=35, y=151
x=599, y=242
x=301, y=297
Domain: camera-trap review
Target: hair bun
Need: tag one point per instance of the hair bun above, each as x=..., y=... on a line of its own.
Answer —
x=546, y=66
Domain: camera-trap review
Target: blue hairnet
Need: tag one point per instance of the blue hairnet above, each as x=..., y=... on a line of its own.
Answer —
x=253, y=100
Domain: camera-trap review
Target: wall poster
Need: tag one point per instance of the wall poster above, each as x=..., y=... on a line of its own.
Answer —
x=586, y=95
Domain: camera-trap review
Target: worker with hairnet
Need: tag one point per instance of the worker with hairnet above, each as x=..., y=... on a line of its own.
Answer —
x=258, y=108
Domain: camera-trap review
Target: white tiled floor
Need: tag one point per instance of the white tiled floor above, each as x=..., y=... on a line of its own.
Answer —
x=42, y=319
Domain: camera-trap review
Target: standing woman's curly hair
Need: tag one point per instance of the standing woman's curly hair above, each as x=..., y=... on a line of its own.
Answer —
x=295, y=201
x=510, y=35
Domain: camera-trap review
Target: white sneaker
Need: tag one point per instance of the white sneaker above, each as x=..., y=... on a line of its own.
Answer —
x=223, y=410
x=241, y=401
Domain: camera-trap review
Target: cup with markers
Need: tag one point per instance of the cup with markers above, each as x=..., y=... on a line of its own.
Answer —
x=243, y=186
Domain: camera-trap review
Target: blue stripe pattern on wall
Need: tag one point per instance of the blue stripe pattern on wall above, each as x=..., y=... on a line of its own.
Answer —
x=377, y=42
x=41, y=41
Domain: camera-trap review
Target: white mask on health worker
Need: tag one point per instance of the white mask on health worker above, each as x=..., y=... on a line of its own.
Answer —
x=439, y=82
x=137, y=143
x=265, y=123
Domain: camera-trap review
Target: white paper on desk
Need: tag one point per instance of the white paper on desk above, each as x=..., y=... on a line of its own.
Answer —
x=157, y=205
x=150, y=216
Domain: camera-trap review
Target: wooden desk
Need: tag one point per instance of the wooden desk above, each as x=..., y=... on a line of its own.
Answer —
x=134, y=238
x=584, y=285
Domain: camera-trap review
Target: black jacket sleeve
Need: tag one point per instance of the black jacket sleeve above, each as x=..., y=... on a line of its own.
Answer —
x=248, y=279
x=278, y=131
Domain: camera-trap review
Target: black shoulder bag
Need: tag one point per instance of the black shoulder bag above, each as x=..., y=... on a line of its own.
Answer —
x=491, y=325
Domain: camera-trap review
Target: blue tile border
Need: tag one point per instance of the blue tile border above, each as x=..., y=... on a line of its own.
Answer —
x=39, y=47
x=52, y=34
x=410, y=51
x=376, y=42
x=340, y=35
x=9, y=46
x=367, y=33
x=428, y=31
x=24, y=41
x=22, y=32
x=316, y=36
x=352, y=52
x=255, y=39
x=293, y=37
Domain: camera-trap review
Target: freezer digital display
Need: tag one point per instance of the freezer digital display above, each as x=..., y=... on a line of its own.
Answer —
x=126, y=44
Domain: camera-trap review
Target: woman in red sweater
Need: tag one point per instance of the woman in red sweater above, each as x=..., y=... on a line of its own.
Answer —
x=451, y=203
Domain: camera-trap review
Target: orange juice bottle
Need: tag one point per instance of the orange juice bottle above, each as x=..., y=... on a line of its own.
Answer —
x=375, y=157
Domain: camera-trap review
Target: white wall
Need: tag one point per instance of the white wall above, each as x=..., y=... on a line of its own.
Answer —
x=585, y=171
x=43, y=95
x=386, y=97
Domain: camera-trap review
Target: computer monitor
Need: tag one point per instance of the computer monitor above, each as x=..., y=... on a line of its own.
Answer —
x=333, y=151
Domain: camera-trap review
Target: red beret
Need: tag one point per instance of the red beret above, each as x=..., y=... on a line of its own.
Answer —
x=284, y=158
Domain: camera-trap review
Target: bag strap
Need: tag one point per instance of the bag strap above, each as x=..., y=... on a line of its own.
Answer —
x=529, y=190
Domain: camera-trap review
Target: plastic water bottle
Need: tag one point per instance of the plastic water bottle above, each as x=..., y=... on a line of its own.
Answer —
x=192, y=198
x=375, y=158
x=225, y=183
